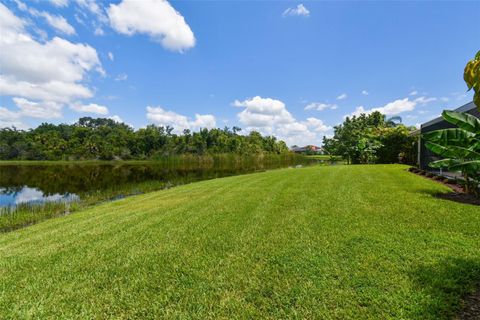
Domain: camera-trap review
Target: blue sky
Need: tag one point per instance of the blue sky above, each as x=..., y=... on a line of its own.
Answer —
x=292, y=69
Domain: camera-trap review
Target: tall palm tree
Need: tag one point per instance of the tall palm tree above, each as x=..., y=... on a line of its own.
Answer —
x=393, y=121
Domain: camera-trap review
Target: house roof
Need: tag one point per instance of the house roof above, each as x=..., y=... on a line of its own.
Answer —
x=465, y=108
x=305, y=148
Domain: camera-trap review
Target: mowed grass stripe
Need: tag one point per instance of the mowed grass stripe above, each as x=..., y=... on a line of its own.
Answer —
x=321, y=242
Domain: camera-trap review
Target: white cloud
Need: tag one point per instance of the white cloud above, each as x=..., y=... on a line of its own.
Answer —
x=299, y=10
x=94, y=8
x=397, y=106
x=121, y=77
x=204, y=121
x=413, y=93
x=365, y=92
x=343, y=96
x=263, y=112
x=22, y=6
x=10, y=119
x=271, y=117
x=79, y=19
x=8, y=115
x=358, y=111
x=9, y=23
x=59, y=3
x=319, y=106
x=179, y=122
x=424, y=100
x=59, y=23
x=40, y=110
x=98, y=31
x=89, y=108
x=390, y=109
x=156, y=18
x=91, y=14
x=116, y=118
x=444, y=99
x=42, y=75
x=261, y=105
x=110, y=56
x=317, y=125
x=53, y=90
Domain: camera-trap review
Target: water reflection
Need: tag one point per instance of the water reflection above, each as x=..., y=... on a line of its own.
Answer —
x=67, y=182
x=11, y=198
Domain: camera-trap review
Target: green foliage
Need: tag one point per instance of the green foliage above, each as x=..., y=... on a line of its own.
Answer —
x=459, y=148
x=367, y=149
x=372, y=139
x=471, y=75
x=105, y=139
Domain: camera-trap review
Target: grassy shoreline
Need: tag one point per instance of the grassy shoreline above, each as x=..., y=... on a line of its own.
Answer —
x=163, y=160
x=277, y=244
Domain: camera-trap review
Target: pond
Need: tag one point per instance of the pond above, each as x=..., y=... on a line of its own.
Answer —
x=37, y=183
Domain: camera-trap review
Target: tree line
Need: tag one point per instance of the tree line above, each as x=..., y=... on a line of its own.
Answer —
x=372, y=138
x=105, y=139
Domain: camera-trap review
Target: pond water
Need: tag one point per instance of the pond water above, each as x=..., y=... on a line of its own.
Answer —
x=66, y=182
x=13, y=197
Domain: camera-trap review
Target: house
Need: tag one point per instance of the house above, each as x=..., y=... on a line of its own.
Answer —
x=310, y=149
x=425, y=156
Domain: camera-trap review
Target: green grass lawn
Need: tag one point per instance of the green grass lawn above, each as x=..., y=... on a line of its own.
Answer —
x=363, y=242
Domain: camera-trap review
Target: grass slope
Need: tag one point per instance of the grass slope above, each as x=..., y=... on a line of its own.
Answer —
x=319, y=242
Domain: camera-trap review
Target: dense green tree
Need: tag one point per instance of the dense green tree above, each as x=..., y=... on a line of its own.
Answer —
x=371, y=138
x=105, y=139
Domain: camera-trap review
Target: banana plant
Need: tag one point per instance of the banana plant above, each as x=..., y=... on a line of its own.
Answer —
x=459, y=147
x=471, y=75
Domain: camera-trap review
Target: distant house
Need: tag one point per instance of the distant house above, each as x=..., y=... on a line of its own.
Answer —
x=425, y=156
x=310, y=149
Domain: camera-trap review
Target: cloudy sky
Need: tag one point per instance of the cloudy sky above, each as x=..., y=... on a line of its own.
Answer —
x=290, y=69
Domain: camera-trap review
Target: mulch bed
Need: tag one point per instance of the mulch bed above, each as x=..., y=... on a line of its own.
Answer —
x=458, y=195
x=471, y=309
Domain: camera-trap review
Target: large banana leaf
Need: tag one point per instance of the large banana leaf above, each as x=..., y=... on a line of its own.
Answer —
x=453, y=151
x=456, y=165
x=465, y=153
x=444, y=163
x=470, y=166
x=463, y=120
x=444, y=152
x=447, y=137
